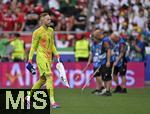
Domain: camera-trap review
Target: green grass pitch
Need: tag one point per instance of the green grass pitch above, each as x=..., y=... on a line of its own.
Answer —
x=73, y=101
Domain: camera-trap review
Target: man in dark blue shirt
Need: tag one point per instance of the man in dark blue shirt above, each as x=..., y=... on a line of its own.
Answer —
x=119, y=65
x=102, y=61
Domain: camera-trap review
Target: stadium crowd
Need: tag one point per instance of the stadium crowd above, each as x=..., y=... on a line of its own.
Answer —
x=23, y=15
x=130, y=18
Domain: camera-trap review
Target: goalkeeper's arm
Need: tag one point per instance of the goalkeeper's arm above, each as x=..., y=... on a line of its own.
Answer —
x=35, y=41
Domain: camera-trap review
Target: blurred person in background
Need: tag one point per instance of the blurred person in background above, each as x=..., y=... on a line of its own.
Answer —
x=80, y=20
x=95, y=15
x=20, y=20
x=9, y=21
x=140, y=19
x=62, y=26
x=54, y=4
x=13, y=5
x=53, y=21
x=5, y=48
x=39, y=8
x=64, y=23
x=82, y=48
x=18, y=54
x=146, y=34
x=25, y=5
x=1, y=17
x=147, y=3
x=31, y=19
x=137, y=51
x=67, y=7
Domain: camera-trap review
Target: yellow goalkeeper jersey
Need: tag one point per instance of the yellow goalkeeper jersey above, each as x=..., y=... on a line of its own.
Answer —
x=43, y=44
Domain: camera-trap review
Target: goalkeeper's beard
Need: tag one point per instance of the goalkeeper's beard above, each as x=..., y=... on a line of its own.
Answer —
x=47, y=25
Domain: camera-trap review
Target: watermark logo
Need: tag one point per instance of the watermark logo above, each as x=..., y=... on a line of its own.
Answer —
x=13, y=101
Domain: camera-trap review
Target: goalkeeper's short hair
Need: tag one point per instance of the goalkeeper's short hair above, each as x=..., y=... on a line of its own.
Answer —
x=43, y=14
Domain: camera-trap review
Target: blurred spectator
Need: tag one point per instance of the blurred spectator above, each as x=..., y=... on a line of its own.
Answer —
x=119, y=14
x=39, y=8
x=140, y=19
x=13, y=4
x=80, y=21
x=82, y=48
x=62, y=24
x=65, y=23
x=146, y=33
x=1, y=18
x=54, y=4
x=137, y=50
x=6, y=1
x=70, y=23
x=31, y=19
x=134, y=29
x=81, y=3
x=147, y=3
x=5, y=48
x=18, y=54
x=24, y=14
x=67, y=7
x=20, y=20
x=95, y=20
x=9, y=21
x=53, y=22
x=25, y=6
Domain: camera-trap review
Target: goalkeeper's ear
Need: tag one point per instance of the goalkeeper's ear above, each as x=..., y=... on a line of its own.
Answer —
x=41, y=21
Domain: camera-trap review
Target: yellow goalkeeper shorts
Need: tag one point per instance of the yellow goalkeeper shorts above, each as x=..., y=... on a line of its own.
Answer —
x=44, y=67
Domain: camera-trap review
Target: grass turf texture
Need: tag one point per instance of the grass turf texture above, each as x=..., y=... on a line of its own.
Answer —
x=73, y=101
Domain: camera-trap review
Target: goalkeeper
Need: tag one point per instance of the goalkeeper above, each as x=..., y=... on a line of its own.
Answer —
x=43, y=45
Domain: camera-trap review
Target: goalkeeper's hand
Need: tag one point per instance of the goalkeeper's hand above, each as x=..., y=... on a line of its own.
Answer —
x=58, y=59
x=30, y=67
